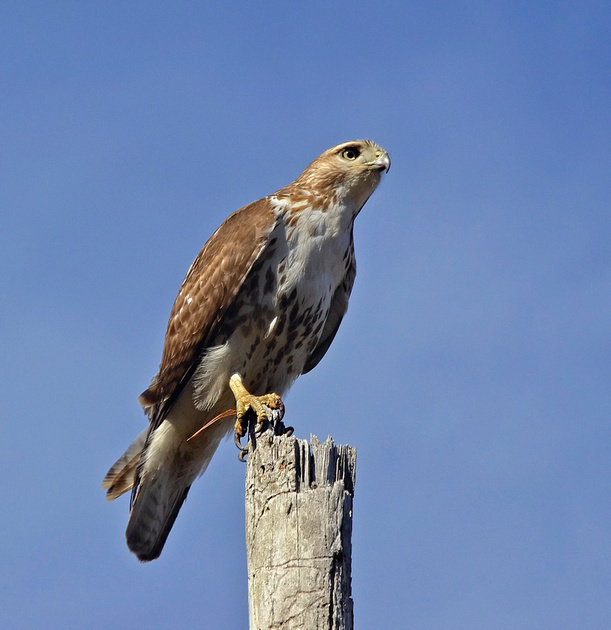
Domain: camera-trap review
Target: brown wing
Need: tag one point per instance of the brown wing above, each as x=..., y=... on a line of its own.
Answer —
x=337, y=310
x=211, y=285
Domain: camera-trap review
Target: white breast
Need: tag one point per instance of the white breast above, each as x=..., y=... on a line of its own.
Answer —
x=270, y=346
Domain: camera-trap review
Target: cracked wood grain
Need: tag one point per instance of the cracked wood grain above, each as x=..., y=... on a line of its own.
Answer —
x=298, y=534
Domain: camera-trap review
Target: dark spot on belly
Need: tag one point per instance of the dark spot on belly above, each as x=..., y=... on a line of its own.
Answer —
x=271, y=344
x=269, y=281
x=280, y=326
x=290, y=341
x=293, y=315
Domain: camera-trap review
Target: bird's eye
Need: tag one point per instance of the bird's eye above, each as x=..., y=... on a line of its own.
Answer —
x=351, y=153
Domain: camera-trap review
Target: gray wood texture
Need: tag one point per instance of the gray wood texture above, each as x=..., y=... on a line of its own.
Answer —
x=298, y=533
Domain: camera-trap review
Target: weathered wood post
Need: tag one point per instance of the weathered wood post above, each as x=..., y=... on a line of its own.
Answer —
x=298, y=534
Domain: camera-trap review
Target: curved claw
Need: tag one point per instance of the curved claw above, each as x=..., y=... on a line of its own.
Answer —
x=236, y=441
x=243, y=449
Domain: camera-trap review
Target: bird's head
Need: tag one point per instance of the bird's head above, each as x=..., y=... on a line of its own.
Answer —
x=350, y=171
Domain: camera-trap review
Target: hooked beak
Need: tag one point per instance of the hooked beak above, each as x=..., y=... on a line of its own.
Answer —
x=382, y=162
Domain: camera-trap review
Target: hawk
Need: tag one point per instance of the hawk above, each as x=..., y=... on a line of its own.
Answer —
x=259, y=306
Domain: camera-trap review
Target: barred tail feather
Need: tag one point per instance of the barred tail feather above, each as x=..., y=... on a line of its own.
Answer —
x=122, y=474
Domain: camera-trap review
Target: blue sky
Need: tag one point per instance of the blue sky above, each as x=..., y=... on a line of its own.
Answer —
x=471, y=372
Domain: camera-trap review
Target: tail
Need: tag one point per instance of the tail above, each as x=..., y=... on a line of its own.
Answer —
x=157, y=502
x=157, y=499
x=122, y=474
x=169, y=466
x=159, y=467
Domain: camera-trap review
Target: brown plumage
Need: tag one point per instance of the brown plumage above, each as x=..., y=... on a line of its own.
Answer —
x=211, y=285
x=263, y=300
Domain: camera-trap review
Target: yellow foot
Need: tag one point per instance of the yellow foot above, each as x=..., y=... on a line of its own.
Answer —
x=262, y=406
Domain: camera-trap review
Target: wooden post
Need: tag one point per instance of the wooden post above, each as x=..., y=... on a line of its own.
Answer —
x=298, y=534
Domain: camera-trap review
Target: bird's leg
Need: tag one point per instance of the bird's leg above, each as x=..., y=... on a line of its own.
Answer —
x=262, y=406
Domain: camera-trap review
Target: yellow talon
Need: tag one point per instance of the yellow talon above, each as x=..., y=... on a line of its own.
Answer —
x=246, y=402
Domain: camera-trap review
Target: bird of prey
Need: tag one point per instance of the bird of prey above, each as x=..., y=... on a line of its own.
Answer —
x=259, y=306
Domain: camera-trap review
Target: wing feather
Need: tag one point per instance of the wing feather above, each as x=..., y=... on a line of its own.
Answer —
x=337, y=310
x=211, y=285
